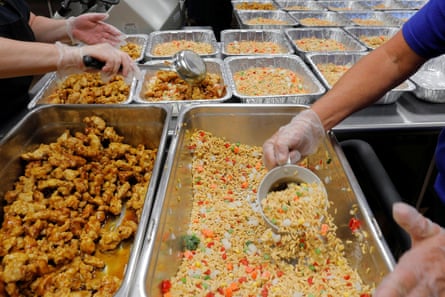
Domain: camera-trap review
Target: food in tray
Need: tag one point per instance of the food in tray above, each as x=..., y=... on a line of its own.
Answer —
x=266, y=21
x=227, y=255
x=332, y=72
x=254, y=47
x=374, y=41
x=317, y=22
x=264, y=81
x=368, y=22
x=320, y=44
x=70, y=219
x=172, y=47
x=297, y=7
x=89, y=88
x=255, y=6
x=134, y=50
x=167, y=85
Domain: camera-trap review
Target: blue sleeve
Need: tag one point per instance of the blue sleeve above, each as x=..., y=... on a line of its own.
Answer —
x=425, y=31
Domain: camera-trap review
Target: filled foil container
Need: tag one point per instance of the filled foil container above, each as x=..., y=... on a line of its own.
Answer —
x=319, y=19
x=370, y=18
x=383, y=4
x=400, y=17
x=294, y=63
x=335, y=34
x=412, y=4
x=204, y=36
x=44, y=125
x=255, y=5
x=350, y=59
x=213, y=65
x=430, y=81
x=253, y=35
x=344, y=5
x=141, y=41
x=54, y=81
x=299, y=5
x=252, y=125
x=370, y=32
x=276, y=19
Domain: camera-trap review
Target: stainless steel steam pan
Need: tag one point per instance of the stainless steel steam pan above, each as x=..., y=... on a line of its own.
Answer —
x=350, y=59
x=299, y=5
x=244, y=16
x=147, y=126
x=252, y=125
x=319, y=19
x=430, y=81
x=254, y=35
x=370, y=18
x=359, y=32
x=141, y=40
x=294, y=63
x=51, y=84
x=213, y=65
x=336, y=34
x=197, y=35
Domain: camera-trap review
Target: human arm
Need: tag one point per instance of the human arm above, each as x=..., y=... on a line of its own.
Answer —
x=420, y=272
x=369, y=79
x=88, y=28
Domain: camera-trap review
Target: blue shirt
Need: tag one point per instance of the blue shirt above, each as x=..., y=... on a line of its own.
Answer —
x=425, y=34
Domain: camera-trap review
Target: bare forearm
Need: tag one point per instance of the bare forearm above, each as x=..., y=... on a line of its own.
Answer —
x=20, y=58
x=48, y=30
x=367, y=81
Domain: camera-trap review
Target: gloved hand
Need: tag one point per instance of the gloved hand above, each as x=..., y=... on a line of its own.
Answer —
x=89, y=28
x=71, y=60
x=420, y=271
x=300, y=137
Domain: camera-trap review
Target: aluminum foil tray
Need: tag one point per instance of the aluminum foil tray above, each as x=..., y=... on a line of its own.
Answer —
x=251, y=125
x=401, y=16
x=372, y=18
x=254, y=35
x=350, y=59
x=310, y=82
x=45, y=124
x=333, y=18
x=430, y=81
x=344, y=5
x=213, y=65
x=41, y=98
x=412, y=4
x=141, y=40
x=299, y=5
x=198, y=35
x=383, y=4
x=244, y=16
x=272, y=4
x=358, y=32
x=336, y=34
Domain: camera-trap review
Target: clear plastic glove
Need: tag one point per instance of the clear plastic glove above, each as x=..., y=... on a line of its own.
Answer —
x=90, y=28
x=420, y=272
x=300, y=137
x=71, y=60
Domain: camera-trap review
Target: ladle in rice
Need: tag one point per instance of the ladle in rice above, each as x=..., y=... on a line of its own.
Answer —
x=278, y=178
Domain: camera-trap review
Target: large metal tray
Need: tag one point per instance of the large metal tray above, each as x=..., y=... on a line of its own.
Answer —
x=350, y=59
x=310, y=82
x=299, y=5
x=141, y=40
x=344, y=5
x=336, y=34
x=271, y=3
x=213, y=65
x=358, y=32
x=373, y=18
x=412, y=4
x=243, y=17
x=254, y=35
x=400, y=17
x=197, y=35
x=430, y=81
x=252, y=125
x=334, y=19
x=383, y=4
x=41, y=98
x=44, y=124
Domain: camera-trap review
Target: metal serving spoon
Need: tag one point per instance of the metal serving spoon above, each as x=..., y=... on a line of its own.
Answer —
x=278, y=178
x=188, y=64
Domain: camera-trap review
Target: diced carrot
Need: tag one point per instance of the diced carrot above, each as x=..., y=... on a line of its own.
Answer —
x=244, y=185
x=208, y=233
x=229, y=266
